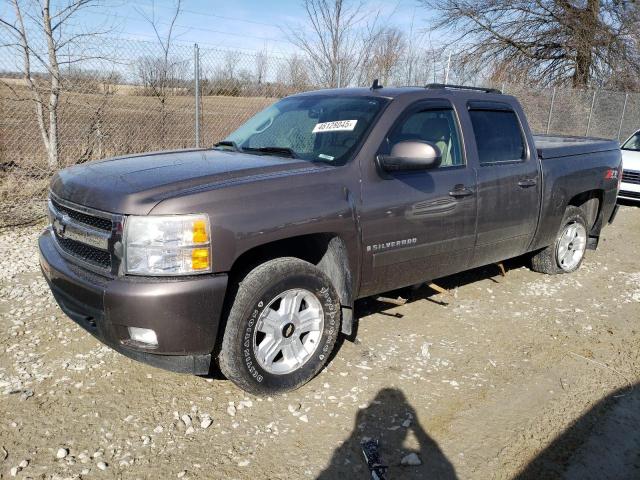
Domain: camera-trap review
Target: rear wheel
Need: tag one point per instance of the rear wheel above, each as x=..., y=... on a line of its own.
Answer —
x=281, y=328
x=567, y=252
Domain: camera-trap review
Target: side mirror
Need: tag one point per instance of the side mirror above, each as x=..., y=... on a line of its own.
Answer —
x=411, y=155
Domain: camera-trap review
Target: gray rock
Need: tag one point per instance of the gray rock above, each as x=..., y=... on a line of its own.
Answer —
x=186, y=419
x=62, y=453
x=411, y=460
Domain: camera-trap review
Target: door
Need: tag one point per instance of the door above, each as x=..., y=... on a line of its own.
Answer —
x=419, y=225
x=508, y=188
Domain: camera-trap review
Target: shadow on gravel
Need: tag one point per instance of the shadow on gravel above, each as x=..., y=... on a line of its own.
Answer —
x=383, y=421
x=603, y=443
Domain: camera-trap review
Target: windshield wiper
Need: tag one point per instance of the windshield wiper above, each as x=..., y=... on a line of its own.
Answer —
x=228, y=143
x=282, y=151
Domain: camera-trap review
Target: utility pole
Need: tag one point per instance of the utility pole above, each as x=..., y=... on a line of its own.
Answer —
x=553, y=99
x=446, y=73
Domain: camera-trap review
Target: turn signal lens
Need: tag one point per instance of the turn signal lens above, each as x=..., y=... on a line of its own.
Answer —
x=200, y=259
x=200, y=232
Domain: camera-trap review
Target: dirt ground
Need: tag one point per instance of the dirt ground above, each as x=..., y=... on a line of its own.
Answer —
x=527, y=376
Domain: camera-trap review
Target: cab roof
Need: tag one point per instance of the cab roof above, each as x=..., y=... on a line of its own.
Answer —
x=427, y=91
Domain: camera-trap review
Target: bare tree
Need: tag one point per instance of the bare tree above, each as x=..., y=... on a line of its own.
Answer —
x=261, y=65
x=293, y=73
x=38, y=31
x=160, y=74
x=386, y=54
x=551, y=41
x=342, y=35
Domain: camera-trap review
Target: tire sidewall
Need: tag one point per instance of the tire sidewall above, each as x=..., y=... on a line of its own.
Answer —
x=328, y=298
x=573, y=215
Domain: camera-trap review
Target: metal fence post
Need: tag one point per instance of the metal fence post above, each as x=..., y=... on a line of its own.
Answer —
x=553, y=99
x=196, y=87
x=593, y=102
x=624, y=109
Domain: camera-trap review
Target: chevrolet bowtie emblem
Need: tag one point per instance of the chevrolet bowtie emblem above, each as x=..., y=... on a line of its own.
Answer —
x=60, y=225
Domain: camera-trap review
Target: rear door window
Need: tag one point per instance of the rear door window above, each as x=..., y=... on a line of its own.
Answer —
x=498, y=136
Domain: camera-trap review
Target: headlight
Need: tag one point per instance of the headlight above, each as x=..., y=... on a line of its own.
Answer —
x=167, y=245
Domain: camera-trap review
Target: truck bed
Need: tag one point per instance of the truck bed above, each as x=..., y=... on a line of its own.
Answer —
x=552, y=146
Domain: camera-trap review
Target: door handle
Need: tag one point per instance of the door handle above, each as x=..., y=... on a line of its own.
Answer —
x=460, y=191
x=527, y=182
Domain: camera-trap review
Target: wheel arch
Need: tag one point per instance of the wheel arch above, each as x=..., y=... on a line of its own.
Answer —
x=327, y=251
x=591, y=203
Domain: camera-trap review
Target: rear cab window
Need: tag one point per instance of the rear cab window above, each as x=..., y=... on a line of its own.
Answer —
x=498, y=133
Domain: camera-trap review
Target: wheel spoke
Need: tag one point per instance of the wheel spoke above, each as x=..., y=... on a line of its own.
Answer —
x=294, y=352
x=562, y=250
x=308, y=321
x=269, y=348
x=270, y=323
x=290, y=304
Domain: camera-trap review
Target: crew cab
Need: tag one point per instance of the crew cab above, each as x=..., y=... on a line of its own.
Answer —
x=630, y=186
x=249, y=256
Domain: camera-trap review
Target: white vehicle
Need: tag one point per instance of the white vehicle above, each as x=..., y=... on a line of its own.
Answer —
x=630, y=186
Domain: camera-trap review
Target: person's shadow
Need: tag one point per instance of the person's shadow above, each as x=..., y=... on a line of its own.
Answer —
x=392, y=421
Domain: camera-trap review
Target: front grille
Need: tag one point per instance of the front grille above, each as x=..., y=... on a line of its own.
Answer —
x=627, y=193
x=84, y=234
x=630, y=176
x=87, y=253
x=90, y=220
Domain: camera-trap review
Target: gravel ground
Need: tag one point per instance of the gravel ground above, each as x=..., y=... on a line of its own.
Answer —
x=528, y=375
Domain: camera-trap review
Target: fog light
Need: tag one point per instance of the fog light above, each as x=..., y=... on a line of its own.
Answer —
x=143, y=335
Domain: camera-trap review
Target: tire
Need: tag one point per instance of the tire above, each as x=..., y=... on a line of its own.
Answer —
x=281, y=328
x=552, y=259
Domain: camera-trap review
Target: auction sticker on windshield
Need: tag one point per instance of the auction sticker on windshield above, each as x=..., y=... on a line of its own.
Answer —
x=337, y=126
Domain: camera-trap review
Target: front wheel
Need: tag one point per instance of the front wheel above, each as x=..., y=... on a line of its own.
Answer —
x=281, y=328
x=567, y=253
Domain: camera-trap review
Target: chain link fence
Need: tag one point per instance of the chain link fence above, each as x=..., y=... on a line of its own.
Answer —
x=119, y=97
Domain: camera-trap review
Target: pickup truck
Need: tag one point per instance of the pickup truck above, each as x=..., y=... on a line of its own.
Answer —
x=247, y=257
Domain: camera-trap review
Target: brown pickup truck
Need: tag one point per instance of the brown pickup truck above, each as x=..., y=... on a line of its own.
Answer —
x=249, y=255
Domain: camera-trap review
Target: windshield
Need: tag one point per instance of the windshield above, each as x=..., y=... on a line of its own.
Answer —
x=633, y=143
x=316, y=128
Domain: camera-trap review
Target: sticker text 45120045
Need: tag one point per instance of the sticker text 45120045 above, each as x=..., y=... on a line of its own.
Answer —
x=337, y=126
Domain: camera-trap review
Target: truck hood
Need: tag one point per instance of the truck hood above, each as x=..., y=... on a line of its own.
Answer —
x=135, y=184
x=630, y=160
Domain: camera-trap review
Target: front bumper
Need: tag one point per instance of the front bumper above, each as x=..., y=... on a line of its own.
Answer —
x=629, y=191
x=184, y=312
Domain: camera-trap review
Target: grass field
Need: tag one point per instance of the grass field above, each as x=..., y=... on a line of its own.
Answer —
x=96, y=126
